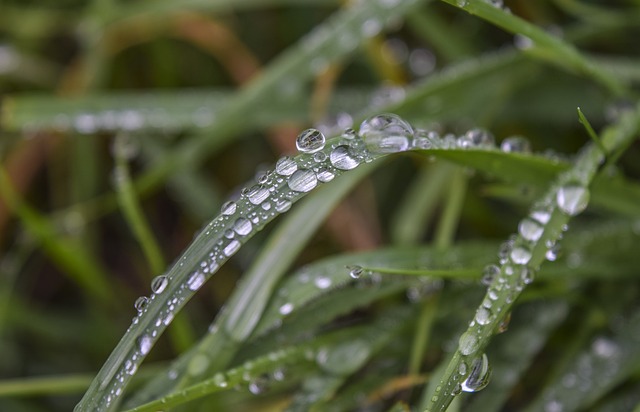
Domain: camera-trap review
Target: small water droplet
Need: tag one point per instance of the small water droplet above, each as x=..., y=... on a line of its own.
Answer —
x=220, y=380
x=476, y=138
x=479, y=376
x=522, y=42
x=279, y=374
x=541, y=216
x=489, y=273
x=483, y=316
x=553, y=252
x=229, y=208
x=572, y=199
x=196, y=281
x=242, y=226
x=283, y=205
x=258, y=386
x=515, y=144
x=530, y=229
x=231, y=248
x=144, y=344
x=286, y=309
x=325, y=175
x=322, y=282
x=257, y=194
x=386, y=133
x=285, y=166
x=159, y=284
x=310, y=141
x=303, y=180
x=343, y=158
x=527, y=275
x=355, y=271
x=520, y=255
x=141, y=303
x=468, y=343
x=349, y=134
x=319, y=157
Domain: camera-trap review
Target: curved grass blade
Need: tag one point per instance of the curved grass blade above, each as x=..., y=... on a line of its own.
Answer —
x=524, y=255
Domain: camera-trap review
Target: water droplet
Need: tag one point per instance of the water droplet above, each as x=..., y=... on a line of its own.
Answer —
x=229, y=208
x=476, y=138
x=530, y=229
x=371, y=27
x=219, y=380
x=144, y=344
x=541, y=216
x=231, y=248
x=527, y=276
x=285, y=166
x=489, y=273
x=319, y=157
x=141, y=303
x=195, y=281
x=258, y=385
x=283, y=205
x=355, y=271
x=522, y=42
x=572, y=199
x=468, y=343
x=479, y=376
x=159, y=284
x=520, y=255
x=483, y=316
x=303, y=180
x=462, y=368
x=515, y=144
x=310, y=141
x=279, y=374
x=257, y=194
x=242, y=226
x=343, y=158
x=386, y=133
x=325, y=175
x=344, y=358
x=286, y=309
x=553, y=252
x=322, y=282
x=349, y=134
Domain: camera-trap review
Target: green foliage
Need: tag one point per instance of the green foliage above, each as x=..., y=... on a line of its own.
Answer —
x=425, y=267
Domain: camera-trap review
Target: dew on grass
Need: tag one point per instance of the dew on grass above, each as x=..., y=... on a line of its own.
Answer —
x=386, y=133
x=468, y=343
x=144, y=344
x=530, y=229
x=572, y=198
x=343, y=157
x=141, y=303
x=229, y=208
x=515, y=144
x=489, y=273
x=476, y=138
x=283, y=205
x=231, y=248
x=286, y=166
x=355, y=271
x=310, y=141
x=483, y=316
x=322, y=282
x=302, y=180
x=257, y=194
x=286, y=309
x=195, y=281
x=520, y=255
x=324, y=174
x=479, y=376
x=242, y=226
x=159, y=284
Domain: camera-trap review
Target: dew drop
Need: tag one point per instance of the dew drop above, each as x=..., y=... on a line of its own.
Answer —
x=303, y=180
x=325, y=175
x=552, y=253
x=322, y=282
x=386, y=133
x=258, y=386
x=219, y=380
x=286, y=309
x=489, y=273
x=468, y=343
x=257, y=194
x=345, y=358
x=520, y=255
x=283, y=205
x=343, y=158
x=530, y=229
x=229, y=208
x=319, y=157
x=242, y=226
x=285, y=166
x=355, y=271
x=479, y=376
x=159, y=284
x=541, y=216
x=141, y=303
x=572, y=199
x=349, y=134
x=515, y=144
x=527, y=276
x=144, y=344
x=231, y=248
x=476, y=138
x=196, y=281
x=483, y=316
x=310, y=141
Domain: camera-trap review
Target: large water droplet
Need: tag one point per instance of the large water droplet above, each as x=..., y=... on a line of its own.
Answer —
x=355, y=271
x=303, y=180
x=257, y=194
x=141, y=303
x=286, y=166
x=283, y=205
x=231, y=248
x=386, y=133
x=468, y=343
x=159, y=284
x=479, y=376
x=483, y=316
x=520, y=255
x=242, y=226
x=572, y=199
x=310, y=141
x=343, y=158
x=325, y=175
x=530, y=230
x=489, y=273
